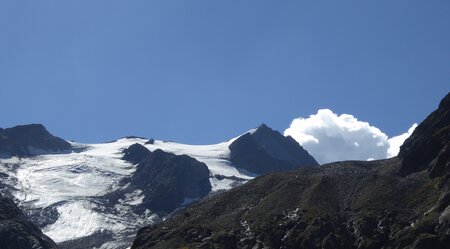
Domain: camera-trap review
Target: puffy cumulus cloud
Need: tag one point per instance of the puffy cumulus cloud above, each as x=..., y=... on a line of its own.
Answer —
x=330, y=137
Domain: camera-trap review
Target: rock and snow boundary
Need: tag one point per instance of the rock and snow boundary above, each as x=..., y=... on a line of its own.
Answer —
x=61, y=191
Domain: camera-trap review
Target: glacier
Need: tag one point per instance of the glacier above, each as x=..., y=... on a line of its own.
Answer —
x=70, y=184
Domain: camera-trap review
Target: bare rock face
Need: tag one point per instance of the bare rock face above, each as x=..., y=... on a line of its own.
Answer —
x=429, y=145
x=352, y=204
x=16, y=232
x=27, y=140
x=266, y=150
x=135, y=153
x=167, y=180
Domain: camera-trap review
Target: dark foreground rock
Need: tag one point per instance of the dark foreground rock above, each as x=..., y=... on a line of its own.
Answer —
x=393, y=203
x=95, y=240
x=429, y=146
x=16, y=232
x=28, y=140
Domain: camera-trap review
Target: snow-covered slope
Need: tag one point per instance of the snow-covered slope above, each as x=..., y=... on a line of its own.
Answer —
x=70, y=184
x=68, y=193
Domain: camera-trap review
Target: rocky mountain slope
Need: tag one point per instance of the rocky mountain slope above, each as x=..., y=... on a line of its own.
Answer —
x=16, y=232
x=99, y=195
x=401, y=202
x=26, y=140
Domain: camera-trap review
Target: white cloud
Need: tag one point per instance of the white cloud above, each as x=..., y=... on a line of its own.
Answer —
x=329, y=138
x=397, y=141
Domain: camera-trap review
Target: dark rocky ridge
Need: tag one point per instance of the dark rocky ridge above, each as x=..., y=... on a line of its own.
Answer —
x=16, y=232
x=391, y=203
x=266, y=150
x=429, y=146
x=26, y=140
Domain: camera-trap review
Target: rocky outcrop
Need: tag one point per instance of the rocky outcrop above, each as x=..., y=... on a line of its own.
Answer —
x=135, y=153
x=27, y=140
x=16, y=232
x=150, y=141
x=165, y=181
x=353, y=204
x=265, y=150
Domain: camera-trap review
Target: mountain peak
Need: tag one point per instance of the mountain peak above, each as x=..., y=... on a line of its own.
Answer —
x=266, y=150
x=28, y=128
x=22, y=139
x=263, y=126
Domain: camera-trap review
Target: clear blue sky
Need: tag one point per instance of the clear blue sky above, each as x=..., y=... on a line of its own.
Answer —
x=204, y=71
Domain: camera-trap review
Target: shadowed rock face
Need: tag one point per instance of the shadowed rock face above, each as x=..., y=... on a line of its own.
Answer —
x=266, y=150
x=135, y=154
x=353, y=204
x=25, y=140
x=164, y=179
x=428, y=146
x=168, y=179
x=16, y=232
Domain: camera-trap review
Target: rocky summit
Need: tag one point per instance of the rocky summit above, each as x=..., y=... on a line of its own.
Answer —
x=402, y=202
x=26, y=140
x=264, y=150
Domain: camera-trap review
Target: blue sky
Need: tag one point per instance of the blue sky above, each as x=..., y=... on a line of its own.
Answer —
x=204, y=71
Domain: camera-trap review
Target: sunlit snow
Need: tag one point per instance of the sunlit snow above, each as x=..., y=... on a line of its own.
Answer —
x=72, y=181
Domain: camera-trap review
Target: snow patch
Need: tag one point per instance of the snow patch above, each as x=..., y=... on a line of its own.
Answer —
x=76, y=220
x=135, y=198
x=48, y=179
x=223, y=184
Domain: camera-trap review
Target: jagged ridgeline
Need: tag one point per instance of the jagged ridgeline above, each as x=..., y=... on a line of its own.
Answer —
x=402, y=202
x=99, y=195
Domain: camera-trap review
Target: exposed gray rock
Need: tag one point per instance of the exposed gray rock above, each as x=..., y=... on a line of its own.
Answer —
x=135, y=153
x=266, y=150
x=166, y=181
x=28, y=140
x=429, y=145
x=16, y=232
